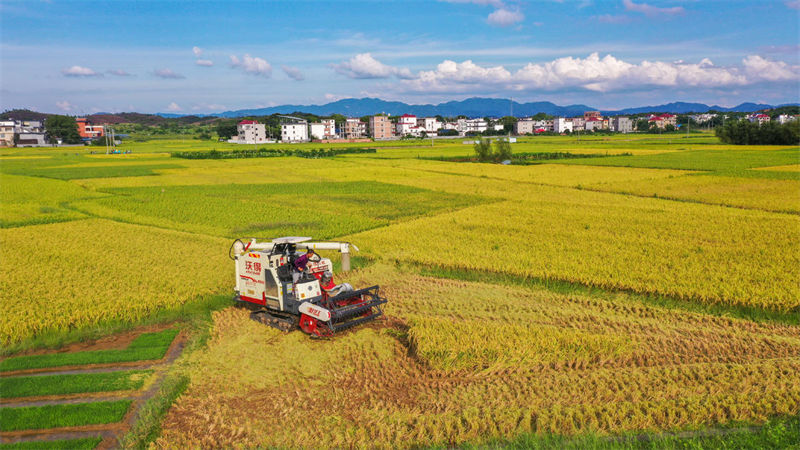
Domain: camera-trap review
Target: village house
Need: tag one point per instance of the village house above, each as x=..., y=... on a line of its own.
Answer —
x=250, y=132
x=294, y=131
x=662, y=120
x=380, y=127
x=324, y=129
x=562, y=125
x=354, y=128
x=758, y=117
x=87, y=130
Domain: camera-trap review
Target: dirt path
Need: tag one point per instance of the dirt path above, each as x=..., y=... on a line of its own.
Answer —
x=109, y=432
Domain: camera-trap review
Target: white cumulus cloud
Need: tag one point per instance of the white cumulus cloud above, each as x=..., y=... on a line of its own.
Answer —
x=173, y=107
x=65, y=105
x=252, y=65
x=78, y=71
x=503, y=14
x=197, y=51
x=167, y=74
x=599, y=74
x=505, y=17
x=204, y=62
x=650, y=10
x=758, y=68
x=293, y=73
x=363, y=65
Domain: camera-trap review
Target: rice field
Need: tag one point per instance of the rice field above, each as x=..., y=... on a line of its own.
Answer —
x=467, y=362
x=655, y=291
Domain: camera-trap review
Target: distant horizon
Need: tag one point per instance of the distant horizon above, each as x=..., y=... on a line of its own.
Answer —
x=590, y=107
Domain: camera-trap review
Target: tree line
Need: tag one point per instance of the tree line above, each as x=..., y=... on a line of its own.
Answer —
x=744, y=132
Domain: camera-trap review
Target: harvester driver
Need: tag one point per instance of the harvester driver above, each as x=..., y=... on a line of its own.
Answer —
x=300, y=265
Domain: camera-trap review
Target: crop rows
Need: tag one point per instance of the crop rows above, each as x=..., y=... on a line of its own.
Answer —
x=698, y=252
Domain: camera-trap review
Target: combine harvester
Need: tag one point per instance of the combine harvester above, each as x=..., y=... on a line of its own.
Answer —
x=278, y=295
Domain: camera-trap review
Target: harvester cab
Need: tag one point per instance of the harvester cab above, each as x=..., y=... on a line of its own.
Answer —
x=269, y=284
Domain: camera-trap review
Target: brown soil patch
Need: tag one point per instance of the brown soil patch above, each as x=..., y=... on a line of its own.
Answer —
x=87, y=396
x=118, y=426
x=113, y=342
x=172, y=352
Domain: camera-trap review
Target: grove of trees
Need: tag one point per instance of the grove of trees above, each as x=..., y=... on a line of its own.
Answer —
x=744, y=132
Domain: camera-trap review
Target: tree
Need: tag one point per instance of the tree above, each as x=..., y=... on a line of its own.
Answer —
x=64, y=128
x=483, y=149
x=226, y=129
x=508, y=123
x=743, y=132
x=542, y=116
x=502, y=150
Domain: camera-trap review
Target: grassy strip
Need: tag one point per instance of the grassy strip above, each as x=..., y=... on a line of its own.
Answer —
x=778, y=433
x=566, y=288
x=16, y=387
x=272, y=153
x=67, y=415
x=148, y=425
x=72, y=444
x=147, y=346
x=57, y=339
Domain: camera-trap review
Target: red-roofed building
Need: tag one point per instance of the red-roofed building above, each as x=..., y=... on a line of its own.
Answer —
x=595, y=123
x=250, y=132
x=87, y=130
x=759, y=117
x=405, y=123
x=662, y=120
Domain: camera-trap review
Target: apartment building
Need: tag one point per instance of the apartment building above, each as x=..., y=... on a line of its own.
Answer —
x=380, y=127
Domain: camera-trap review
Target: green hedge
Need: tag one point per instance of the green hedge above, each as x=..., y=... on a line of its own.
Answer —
x=272, y=153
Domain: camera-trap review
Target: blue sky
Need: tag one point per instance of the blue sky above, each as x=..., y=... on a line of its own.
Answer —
x=81, y=57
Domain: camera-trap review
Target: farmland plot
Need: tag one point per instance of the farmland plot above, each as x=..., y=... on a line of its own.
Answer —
x=454, y=363
x=697, y=252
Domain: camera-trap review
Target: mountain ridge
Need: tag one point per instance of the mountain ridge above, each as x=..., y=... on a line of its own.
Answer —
x=472, y=107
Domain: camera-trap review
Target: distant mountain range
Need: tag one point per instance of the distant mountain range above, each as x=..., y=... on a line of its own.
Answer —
x=471, y=107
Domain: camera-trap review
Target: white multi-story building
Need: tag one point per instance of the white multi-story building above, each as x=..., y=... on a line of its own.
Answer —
x=757, y=117
x=294, y=131
x=523, y=126
x=7, y=133
x=542, y=125
x=702, y=118
x=405, y=123
x=785, y=118
x=475, y=125
x=250, y=132
x=562, y=125
x=430, y=124
x=324, y=129
x=621, y=124
x=593, y=123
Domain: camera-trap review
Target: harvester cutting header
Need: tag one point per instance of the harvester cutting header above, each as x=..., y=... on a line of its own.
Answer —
x=288, y=285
